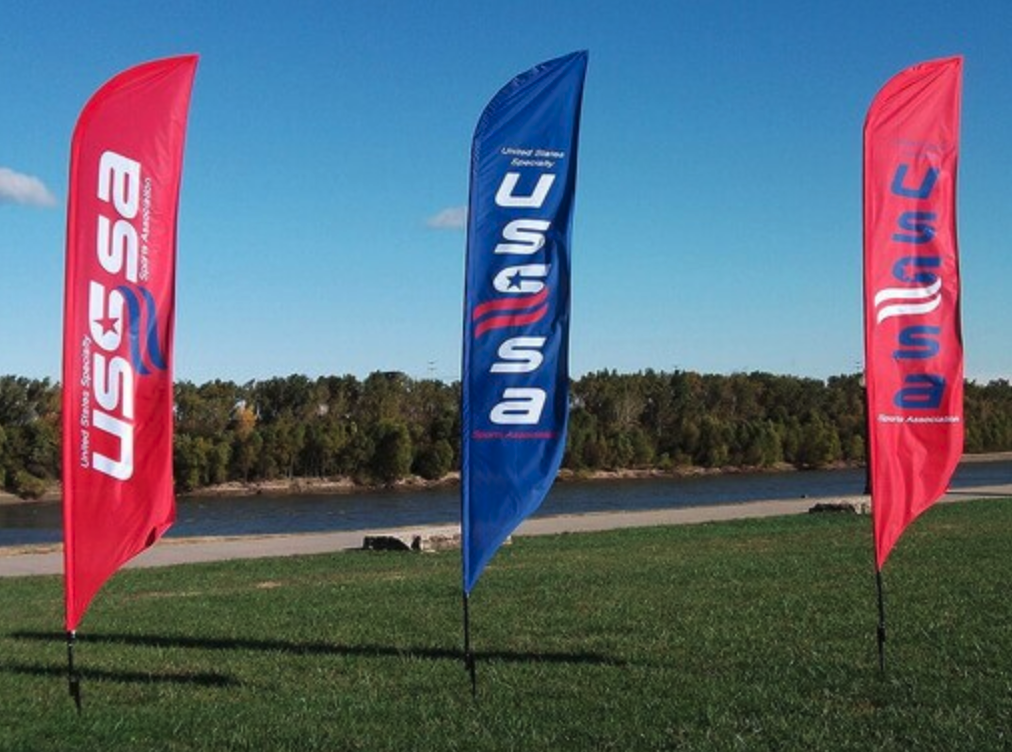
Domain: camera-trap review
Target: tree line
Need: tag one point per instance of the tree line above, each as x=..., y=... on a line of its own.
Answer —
x=388, y=426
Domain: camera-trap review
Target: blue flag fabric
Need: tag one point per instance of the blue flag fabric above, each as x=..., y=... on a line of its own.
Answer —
x=516, y=303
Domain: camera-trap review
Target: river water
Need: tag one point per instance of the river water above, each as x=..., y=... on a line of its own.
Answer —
x=262, y=515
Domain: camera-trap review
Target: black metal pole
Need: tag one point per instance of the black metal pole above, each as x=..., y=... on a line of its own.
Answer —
x=73, y=678
x=468, y=654
x=881, y=631
x=867, y=438
x=881, y=622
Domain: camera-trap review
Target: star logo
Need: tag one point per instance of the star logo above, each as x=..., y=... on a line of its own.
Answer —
x=108, y=324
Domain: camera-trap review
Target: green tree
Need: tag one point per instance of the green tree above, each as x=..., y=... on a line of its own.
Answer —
x=819, y=445
x=582, y=432
x=392, y=455
x=188, y=462
x=245, y=455
x=714, y=442
x=433, y=461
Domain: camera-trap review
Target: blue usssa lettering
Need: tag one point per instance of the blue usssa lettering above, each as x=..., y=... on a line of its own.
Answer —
x=921, y=391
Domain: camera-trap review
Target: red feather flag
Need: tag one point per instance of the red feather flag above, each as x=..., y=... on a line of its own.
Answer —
x=125, y=171
x=913, y=342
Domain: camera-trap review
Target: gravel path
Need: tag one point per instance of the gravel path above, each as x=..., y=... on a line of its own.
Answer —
x=48, y=560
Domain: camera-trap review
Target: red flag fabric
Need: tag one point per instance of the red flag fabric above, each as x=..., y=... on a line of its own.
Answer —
x=125, y=170
x=913, y=342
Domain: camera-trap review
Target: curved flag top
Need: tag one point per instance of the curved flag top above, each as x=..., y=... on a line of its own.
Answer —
x=516, y=303
x=913, y=342
x=125, y=169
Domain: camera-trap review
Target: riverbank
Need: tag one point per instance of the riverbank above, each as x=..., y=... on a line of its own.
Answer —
x=345, y=485
x=48, y=559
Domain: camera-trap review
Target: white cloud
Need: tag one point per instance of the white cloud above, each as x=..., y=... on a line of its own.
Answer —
x=16, y=188
x=453, y=218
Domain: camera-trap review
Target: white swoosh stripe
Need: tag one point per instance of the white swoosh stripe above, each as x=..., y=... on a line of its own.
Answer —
x=907, y=293
x=908, y=309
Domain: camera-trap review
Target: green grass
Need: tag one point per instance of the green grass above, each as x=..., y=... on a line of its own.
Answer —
x=750, y=635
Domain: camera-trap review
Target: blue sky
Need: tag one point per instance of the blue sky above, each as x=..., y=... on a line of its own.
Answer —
x=718, y=210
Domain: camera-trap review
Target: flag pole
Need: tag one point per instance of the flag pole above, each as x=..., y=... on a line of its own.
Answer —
x=73, y=678
x=881, y=622
x=469, y=662
x=881, y=630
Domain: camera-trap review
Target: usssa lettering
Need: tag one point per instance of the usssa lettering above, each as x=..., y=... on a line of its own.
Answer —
x=521, y=301
x=918, y=266
x=118, y=307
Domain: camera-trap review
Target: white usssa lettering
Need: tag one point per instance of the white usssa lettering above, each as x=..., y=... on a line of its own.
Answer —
x=521, y=406
x=117, y=249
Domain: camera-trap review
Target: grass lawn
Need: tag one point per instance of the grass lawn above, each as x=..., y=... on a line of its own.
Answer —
x=748, y=635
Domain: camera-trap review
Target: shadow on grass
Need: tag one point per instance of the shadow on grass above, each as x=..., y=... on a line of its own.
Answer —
x=323, y=648
x=201, y=679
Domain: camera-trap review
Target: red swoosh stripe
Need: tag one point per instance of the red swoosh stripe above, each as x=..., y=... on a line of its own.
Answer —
x=518, y=319
x=510, y=304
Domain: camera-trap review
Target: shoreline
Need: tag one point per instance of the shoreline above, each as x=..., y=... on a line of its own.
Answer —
x=345, y=485
x=47, y=559
x=308, y=486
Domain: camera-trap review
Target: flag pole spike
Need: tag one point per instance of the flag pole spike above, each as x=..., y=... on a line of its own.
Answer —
x=881, y=622
x=469, y=662
x=73, y=678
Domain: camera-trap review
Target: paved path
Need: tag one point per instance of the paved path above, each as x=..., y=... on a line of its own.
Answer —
x=48, y=560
